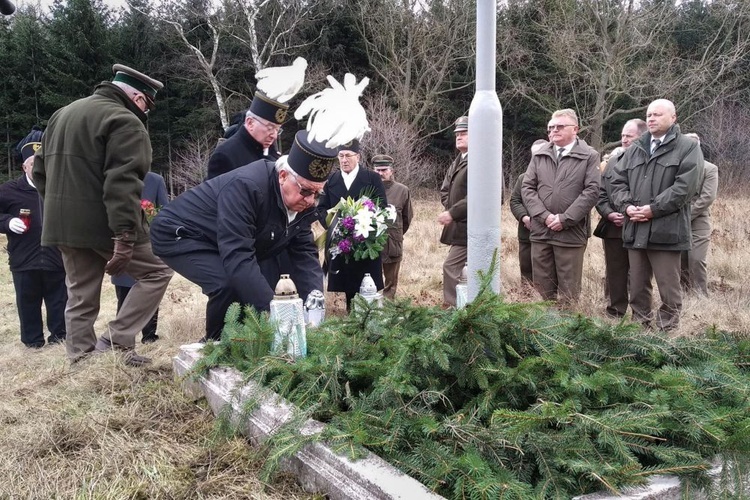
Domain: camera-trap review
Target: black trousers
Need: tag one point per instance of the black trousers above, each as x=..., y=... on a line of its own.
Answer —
x=33, y=287
x=149, y=331
x=206, y=269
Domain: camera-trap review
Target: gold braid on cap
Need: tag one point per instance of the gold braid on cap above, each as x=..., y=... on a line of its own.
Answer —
x=321, y=166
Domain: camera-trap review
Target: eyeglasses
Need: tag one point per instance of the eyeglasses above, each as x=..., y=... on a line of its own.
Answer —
x=271, y=127
x=550, y=128
x=305, y=192
x=346, y=156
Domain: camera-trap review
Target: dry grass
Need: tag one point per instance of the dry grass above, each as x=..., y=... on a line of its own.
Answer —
x=102, y=430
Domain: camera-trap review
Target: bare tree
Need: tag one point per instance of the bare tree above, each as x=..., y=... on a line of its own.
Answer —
x=725, y=138
x=270, y=28
x=415, y=48
x=267, y=29
x=190, y=167
x=392, y=135
x=610, y=58
x=206, y=63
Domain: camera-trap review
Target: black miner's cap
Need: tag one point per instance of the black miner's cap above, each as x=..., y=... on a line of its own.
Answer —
x=29, y=149
x=311, y=159
x=268, y=109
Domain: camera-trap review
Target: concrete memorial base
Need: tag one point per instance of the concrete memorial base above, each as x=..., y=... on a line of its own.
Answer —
x=318, y=468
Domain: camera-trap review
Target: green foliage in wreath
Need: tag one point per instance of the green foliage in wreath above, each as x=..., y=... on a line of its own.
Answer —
x=503, y=400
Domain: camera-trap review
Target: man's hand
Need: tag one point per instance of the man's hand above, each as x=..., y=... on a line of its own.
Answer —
x=17, y=226
x=445, y=218
x=616, y=218
x=553, y=222
x=639, y=214
x=526, y=221
x=120, y=258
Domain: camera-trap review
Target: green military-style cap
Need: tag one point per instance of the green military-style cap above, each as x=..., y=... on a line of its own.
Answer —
x=382, y=161
x=140, y=82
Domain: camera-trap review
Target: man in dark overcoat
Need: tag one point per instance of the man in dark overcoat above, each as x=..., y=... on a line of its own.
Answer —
x=652, y=186
x=38, y=273
x=254, y=140
x=95, y=153
x=226, y=233
x=351, y=180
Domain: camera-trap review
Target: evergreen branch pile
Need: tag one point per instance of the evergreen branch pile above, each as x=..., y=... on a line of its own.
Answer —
x=504, y=400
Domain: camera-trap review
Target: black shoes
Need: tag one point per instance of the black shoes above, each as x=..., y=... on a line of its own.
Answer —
x=150, y=339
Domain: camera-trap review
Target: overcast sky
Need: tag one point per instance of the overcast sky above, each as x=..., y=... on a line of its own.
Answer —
x=46, y=4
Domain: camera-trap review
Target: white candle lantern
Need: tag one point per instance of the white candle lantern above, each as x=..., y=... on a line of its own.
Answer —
x=288, y=317
x=315, y=308
x=369, y=291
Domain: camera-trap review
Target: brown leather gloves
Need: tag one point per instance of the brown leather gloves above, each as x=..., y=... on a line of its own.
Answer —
x=120, y=258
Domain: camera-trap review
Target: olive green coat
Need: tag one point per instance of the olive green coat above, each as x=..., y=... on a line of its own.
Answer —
x=667, y=181
x=95, y=153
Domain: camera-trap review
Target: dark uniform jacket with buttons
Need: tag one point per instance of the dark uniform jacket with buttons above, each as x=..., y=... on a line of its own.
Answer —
x=242, y=216
x=25, y=252
x=240, y=149
x=667, y=181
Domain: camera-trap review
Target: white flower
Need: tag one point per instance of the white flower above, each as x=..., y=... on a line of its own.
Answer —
x=391, y=212
x=363, y=223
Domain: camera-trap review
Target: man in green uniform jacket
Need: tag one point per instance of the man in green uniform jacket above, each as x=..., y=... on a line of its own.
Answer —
x=90, y=169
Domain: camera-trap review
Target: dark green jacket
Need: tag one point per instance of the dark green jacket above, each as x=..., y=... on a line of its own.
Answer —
x=518, y=209
x=453, y=196
x=666, y=181
x=95, y=153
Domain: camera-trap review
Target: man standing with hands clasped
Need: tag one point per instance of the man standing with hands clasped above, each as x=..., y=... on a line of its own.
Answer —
x=653, y=184
x=559, y=189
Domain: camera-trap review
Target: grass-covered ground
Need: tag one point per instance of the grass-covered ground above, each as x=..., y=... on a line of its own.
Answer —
x=102, y=430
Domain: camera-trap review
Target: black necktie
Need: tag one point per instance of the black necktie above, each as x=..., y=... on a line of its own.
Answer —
x=560, y=152
x=655, y=145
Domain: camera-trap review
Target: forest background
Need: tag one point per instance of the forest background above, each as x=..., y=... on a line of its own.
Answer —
x=605, y=59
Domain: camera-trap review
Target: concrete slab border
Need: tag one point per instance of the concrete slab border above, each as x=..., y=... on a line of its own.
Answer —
x=318, y=468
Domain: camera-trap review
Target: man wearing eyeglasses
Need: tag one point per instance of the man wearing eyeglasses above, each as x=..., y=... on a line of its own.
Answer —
x=559, y=189
x=226, y=234
x=351, y=180
x=254, y=140
x=94, y=156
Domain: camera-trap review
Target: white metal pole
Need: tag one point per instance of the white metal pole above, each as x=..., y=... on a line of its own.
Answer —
x=485, y=155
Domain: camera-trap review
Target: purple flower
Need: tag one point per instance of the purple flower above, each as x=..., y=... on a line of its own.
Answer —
x=369, y=205
x=359, y=238
x=345, y=246
x=348, y=223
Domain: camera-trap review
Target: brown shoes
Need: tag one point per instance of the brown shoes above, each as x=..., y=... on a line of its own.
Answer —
x=129, y=356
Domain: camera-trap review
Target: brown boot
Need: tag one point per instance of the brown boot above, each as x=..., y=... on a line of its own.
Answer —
x=129, y=356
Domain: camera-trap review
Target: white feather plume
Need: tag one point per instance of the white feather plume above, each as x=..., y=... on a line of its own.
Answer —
x=336, y=116
x=283, y=82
